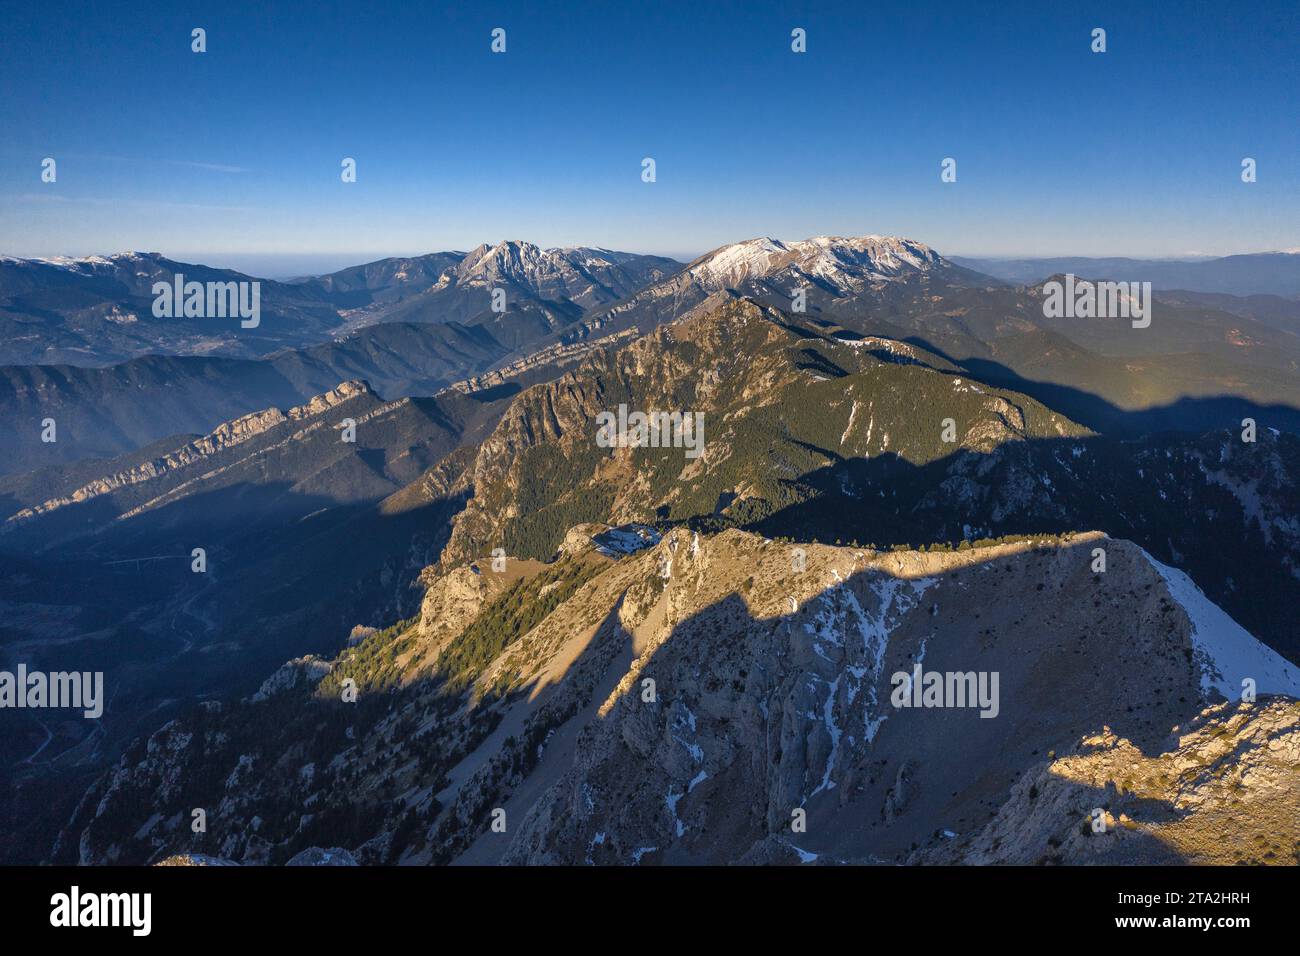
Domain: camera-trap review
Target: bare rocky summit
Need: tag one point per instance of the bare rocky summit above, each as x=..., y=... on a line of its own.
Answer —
x=731, y=699
x=1222, y=790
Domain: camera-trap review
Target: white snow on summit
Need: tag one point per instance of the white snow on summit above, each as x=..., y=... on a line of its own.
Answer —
x=847, y=262
x=79, y=264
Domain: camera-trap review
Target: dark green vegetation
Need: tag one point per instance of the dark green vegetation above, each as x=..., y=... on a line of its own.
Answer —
x=510, y=616
x=311, y=760
x=372, y=664
x=821, y=404
x=268, y=744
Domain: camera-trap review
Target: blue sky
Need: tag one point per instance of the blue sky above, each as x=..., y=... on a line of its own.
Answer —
x=235, y=153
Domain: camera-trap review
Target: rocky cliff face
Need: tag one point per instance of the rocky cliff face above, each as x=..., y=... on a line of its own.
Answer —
x=586, y=277
x=779, y=400
x=1220, y=791
x=776, y=698
x=730, y=698
x=223, y=438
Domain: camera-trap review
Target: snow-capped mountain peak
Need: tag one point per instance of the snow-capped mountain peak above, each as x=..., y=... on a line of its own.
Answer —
x=848, y=263
x=83, y=263
x=583, y=275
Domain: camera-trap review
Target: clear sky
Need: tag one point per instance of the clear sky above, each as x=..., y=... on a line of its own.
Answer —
x=236, y=152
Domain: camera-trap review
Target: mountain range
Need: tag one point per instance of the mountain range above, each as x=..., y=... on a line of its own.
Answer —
x=412, y=326
x=99, y=310
x=1261, y=273
x=904, y=463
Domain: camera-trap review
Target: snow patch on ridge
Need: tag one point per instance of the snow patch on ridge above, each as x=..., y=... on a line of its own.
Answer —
x=1225, y=651
x=837, y=614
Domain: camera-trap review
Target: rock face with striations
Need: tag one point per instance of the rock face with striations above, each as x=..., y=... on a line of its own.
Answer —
x=774, y=696
x=753, y=375
x=1220, y=791
x=729, y=698
x=301, y=670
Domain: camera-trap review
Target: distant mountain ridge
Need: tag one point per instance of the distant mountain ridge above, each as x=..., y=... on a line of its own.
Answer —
x=1261, y=273
x=410, y=326
x=104, y=412
x=840, y=262
x=773, y=270
x=97, y=310
x=571, y=280
x=1203, y=363
x=407, y=326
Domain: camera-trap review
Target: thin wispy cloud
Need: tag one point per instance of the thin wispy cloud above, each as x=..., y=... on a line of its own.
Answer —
x=186, y=163
x=204, y=165
x=214, y=167
x=124, y=203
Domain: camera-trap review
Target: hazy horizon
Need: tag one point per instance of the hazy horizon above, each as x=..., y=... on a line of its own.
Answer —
x=291, y=265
